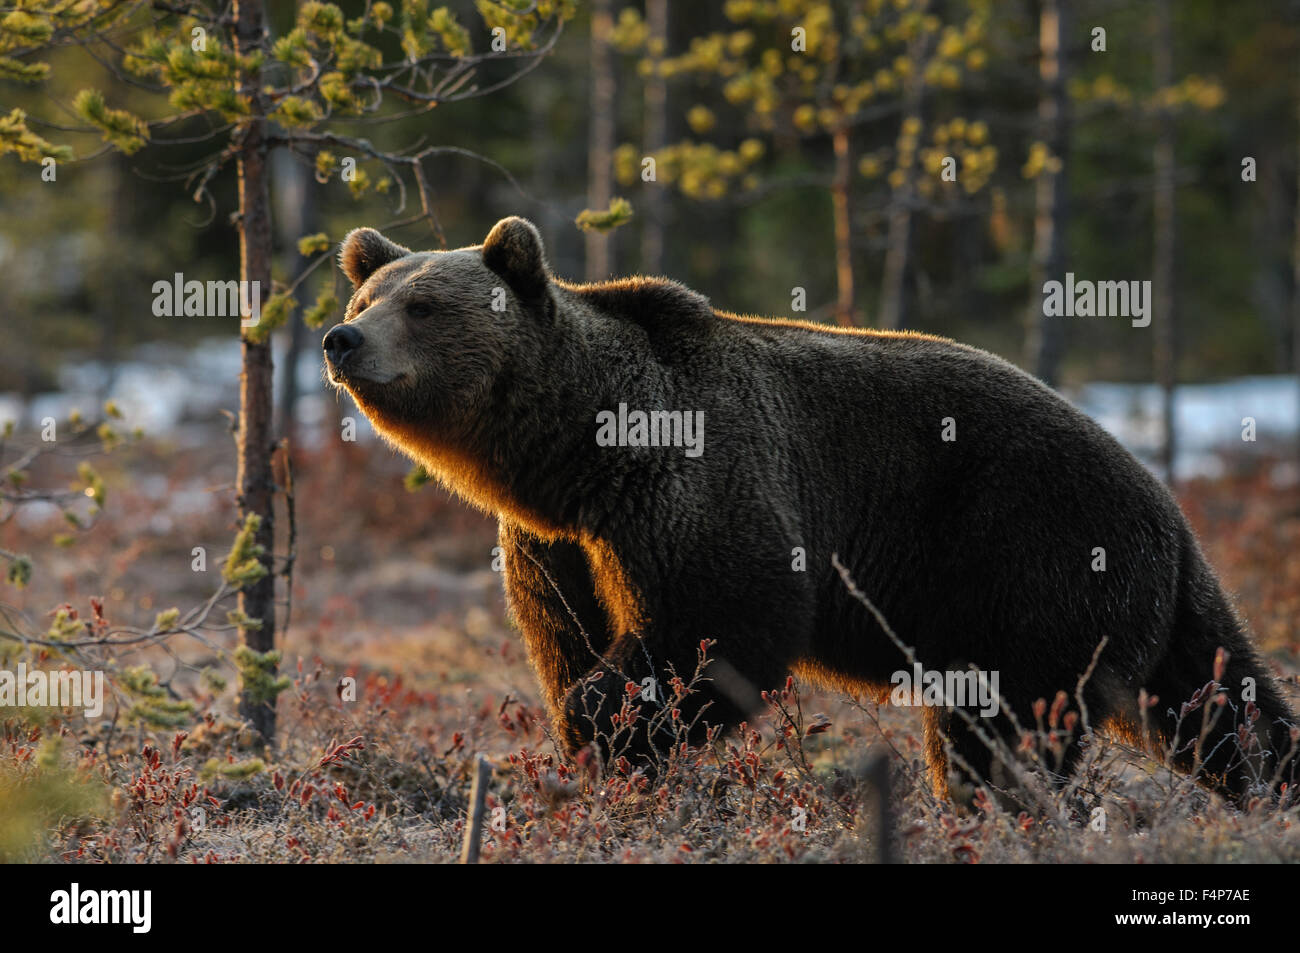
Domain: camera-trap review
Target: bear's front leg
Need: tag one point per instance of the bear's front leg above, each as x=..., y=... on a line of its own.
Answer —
x=551, y=595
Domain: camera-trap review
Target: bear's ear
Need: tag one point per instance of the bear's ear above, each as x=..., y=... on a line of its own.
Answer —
x=364, y=252
x=513, y=249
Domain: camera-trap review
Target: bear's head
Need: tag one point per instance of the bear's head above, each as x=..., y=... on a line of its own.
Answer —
x=426, y=334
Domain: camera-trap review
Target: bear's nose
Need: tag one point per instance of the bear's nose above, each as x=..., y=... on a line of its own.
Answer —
x=341, y=341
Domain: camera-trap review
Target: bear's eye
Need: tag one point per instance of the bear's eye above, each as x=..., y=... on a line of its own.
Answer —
x=419, y=309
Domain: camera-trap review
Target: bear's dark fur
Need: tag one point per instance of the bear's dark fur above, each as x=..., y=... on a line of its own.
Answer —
x=979, y=549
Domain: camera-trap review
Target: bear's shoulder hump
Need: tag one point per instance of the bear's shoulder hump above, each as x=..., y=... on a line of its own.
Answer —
x=649, y=302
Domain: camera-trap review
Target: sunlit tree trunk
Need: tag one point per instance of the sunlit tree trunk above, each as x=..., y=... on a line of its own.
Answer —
x=893, y=309
x=898, y=256
x=843, y=229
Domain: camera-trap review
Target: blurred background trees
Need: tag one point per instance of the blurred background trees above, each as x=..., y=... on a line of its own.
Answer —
x=907, y=163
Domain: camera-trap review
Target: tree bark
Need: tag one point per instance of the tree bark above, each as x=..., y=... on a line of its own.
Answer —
x=1164, y=308
x=898, y=256
x=600, y=139
x=254, y=478
x=843, y=228
x=656, y=136
x=1045, y=344
x=893, y=307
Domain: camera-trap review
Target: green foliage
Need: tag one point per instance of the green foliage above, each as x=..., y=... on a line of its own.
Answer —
x=92, y=484
x=322, y=20
x=699, y=170
x=360, y=183
x=213, y=680
x=166, y=620
x=521, y=18
x=1192, y=92
x=258, y=681
x=293, y=48
x=243, y=564
x=242, y=620
x=606, y=220
x=109, y=438
x=455, y=38
x=19, y=572
x=855, y=60
x=274, y=314
x=127, y=132
x=336, y=91
x=19, y=27
x=21, y=72
x=151, y=703
x=416, y=477
x=64, y=625
x=310, y=245
x=327, y=304
x=297, y=112
x=192, y=57
x=15, y=137
x=215, y=768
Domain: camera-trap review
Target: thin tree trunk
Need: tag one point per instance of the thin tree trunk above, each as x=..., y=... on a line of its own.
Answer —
x=600, y=138
x=656, y=137
x=254, y=478
x=1164, y=310
x=843, y=229
x=898, y=256
x=1046, y=335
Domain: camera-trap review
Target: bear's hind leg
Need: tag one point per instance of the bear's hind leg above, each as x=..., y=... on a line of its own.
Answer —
x=1239, y=747
x=960, y=760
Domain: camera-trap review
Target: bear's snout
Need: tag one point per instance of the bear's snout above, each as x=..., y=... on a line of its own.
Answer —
x=342, y=341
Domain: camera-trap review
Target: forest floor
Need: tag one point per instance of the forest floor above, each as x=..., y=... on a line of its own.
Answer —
x=395, y=589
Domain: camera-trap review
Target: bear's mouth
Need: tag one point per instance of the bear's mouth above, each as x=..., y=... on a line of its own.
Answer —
x=354, y=380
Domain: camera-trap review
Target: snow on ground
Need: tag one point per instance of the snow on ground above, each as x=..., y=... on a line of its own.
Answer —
x=162, y=387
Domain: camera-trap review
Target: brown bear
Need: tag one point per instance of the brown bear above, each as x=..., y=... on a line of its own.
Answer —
x=667, y=474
